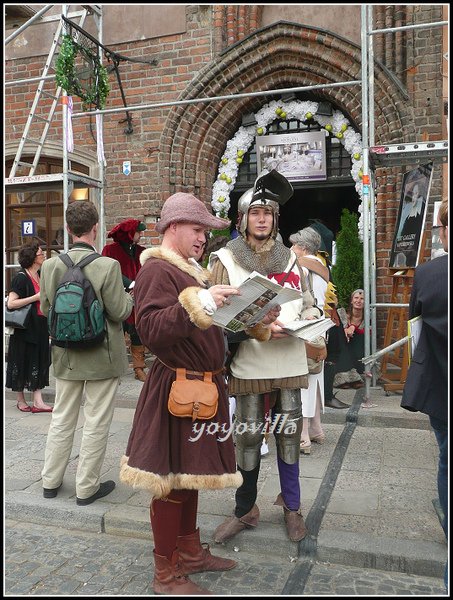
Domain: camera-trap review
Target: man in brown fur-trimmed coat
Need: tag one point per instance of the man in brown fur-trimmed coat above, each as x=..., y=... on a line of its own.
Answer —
x=168, y=455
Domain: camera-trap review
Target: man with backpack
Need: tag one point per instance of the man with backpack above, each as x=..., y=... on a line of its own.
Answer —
x=85, y=313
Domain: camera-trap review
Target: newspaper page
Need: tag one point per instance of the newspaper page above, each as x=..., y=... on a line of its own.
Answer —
x=414, y=328
x=258, y=295
x=309, y=329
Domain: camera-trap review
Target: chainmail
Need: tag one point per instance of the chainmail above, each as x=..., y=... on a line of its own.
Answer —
x=273, y=257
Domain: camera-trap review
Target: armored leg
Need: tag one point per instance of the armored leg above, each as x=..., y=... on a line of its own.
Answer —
x=287, y=436
x=249, y=426
x=249, y=430
x=289, y=427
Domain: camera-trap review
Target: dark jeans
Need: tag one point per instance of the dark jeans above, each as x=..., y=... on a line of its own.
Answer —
x=441, y=432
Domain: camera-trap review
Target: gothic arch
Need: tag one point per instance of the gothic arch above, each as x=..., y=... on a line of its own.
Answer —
x=279, y=56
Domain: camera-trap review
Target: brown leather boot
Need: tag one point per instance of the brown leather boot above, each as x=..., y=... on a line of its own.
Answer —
x=294, y=521
x=138, y=362
x=195, y=557
x=170, y=580
x=234, y=525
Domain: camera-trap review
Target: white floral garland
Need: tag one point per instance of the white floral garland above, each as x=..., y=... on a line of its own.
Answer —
x=337, y=124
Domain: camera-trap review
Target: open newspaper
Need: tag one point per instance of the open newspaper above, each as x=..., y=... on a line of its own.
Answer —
x=414, y=328
x=309, y=329
x=258, y=295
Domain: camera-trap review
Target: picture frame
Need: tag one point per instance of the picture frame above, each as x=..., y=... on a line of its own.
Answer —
x=297, y=156
x=406, y=246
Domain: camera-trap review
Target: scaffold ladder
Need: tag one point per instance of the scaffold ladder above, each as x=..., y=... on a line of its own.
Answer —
x=33, y=116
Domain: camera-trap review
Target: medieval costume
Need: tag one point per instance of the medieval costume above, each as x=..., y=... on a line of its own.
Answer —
x=266, y=376
x=127, y=251
x=170, y=456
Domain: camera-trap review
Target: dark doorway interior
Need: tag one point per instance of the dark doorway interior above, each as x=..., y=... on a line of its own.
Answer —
x=323, y=203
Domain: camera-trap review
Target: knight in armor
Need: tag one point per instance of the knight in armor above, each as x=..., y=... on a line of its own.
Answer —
x=266, y=377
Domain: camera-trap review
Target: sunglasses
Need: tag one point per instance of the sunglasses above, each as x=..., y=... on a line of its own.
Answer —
x=436, y=227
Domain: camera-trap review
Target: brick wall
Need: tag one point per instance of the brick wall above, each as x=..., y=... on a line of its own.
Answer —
x=224, y=51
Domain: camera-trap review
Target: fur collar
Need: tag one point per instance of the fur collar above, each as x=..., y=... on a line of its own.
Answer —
x=201, y=276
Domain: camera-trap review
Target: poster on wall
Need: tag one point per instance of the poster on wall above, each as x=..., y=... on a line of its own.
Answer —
x=411, y=217
x=297, y=156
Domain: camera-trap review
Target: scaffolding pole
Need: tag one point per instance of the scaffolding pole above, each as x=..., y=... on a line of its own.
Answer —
x=368, y=126
x=365, y=189
x=369, y=210
x=28, y=23
x=111, y=111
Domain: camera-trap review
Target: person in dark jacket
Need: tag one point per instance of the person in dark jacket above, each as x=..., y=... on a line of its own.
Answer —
x=126, y=250
x=426, y=387
x=29, y=351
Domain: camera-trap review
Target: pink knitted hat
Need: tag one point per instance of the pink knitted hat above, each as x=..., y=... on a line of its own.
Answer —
x=183, y=207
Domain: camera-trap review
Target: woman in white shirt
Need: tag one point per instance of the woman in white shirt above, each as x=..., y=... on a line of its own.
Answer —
x=306, y=245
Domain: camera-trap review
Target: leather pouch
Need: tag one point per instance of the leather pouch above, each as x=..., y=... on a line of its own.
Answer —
x=194, y=398
x=316, y=353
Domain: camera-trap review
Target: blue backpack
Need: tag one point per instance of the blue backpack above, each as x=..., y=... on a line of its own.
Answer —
x=76, y=318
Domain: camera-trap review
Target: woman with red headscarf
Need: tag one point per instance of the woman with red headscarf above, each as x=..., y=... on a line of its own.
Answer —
x=126, y=250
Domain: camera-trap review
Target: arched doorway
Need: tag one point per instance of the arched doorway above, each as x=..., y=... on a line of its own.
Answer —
x=322, y=200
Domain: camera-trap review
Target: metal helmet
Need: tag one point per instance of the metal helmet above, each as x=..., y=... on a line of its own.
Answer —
x=271, y=189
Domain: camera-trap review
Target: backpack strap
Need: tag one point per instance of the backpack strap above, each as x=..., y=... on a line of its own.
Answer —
x=67, y=261
x=83, y=263
x=88, y=259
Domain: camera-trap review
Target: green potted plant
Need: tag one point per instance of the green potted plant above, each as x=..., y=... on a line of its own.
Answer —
x=347, y=272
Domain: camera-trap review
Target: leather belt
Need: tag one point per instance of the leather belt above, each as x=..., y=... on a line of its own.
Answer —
x=197, y=373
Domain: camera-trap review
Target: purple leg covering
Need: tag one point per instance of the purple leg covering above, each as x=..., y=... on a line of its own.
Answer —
x=289, y=483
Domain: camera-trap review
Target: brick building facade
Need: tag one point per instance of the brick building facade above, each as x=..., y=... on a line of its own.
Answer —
x=205, y=51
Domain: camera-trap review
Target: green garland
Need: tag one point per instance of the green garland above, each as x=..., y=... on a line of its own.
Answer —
x=66, y=76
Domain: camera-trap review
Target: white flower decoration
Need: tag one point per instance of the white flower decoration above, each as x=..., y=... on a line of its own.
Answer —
x=238, y=146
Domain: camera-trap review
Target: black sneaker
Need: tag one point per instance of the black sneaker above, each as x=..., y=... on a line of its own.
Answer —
x=51, y=493
x=104, y=489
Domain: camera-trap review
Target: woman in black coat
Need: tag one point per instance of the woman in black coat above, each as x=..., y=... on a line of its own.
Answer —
x=28, y=351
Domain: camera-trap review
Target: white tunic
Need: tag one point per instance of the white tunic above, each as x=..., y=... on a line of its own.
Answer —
x=276, y=358
x=315, y=380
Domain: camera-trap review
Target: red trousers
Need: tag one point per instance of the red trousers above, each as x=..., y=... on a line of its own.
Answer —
x=171, y=517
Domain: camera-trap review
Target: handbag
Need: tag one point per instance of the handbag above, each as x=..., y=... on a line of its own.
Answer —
x=316, y=352
x=19, y=317
x=194, y=398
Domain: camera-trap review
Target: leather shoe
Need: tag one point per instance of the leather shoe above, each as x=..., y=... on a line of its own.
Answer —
x=336, y=403
x=294, y=521
x=104, y=489
x=295, y=525
x=233, y=525
x=51, y=492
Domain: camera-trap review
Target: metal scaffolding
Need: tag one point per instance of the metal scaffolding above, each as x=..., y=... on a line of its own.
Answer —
x=66, y=181
x=373, y=156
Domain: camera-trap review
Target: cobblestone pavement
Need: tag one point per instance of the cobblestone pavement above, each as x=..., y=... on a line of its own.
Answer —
x=51, y=561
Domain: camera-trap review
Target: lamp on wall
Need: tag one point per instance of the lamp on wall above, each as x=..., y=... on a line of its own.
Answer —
x=248, y=120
